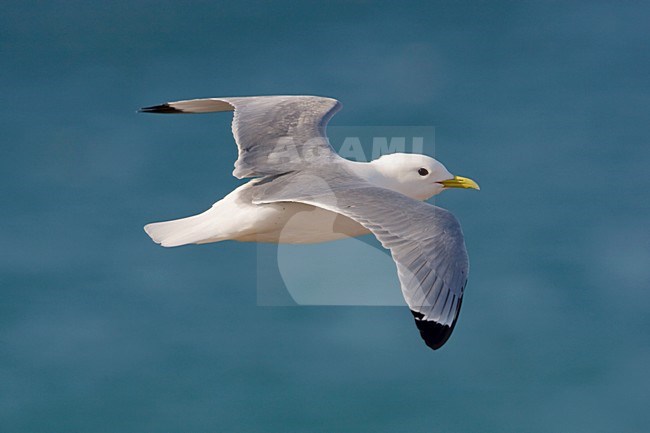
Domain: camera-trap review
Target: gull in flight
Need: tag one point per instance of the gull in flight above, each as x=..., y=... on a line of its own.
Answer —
x=302, y=191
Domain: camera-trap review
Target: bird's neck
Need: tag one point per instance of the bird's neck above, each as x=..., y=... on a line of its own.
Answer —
x=370, y=172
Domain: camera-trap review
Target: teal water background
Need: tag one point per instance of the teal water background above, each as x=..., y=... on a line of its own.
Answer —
x=544, y=103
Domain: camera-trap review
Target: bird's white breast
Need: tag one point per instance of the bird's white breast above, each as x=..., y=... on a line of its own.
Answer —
x=282, y=222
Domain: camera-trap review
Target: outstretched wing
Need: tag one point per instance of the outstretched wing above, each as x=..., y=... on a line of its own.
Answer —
x=426, y=241
x=274, y=134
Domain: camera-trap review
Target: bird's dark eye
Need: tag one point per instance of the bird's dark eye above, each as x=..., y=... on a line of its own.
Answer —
x=423, y=172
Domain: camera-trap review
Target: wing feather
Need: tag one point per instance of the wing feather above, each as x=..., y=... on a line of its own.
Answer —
x=274, y=134
x=426, y=241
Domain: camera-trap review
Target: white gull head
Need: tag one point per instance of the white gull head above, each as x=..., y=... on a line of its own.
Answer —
x=414, y=175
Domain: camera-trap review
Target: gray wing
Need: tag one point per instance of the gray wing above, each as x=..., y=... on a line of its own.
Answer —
x=274, y=134
x=426, y=241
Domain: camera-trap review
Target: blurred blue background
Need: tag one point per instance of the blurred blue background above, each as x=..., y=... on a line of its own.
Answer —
x=544, y=103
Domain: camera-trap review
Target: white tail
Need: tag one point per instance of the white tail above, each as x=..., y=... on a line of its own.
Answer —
x=201, y=228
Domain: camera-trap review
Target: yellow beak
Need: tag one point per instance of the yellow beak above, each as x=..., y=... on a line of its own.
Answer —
x=460, y=182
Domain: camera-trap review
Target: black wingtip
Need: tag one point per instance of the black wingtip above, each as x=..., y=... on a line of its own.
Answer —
x=162, y=108
x=434, y=334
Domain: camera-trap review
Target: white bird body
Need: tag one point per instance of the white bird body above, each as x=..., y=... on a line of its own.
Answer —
x=237, y=218
x=304, y=192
